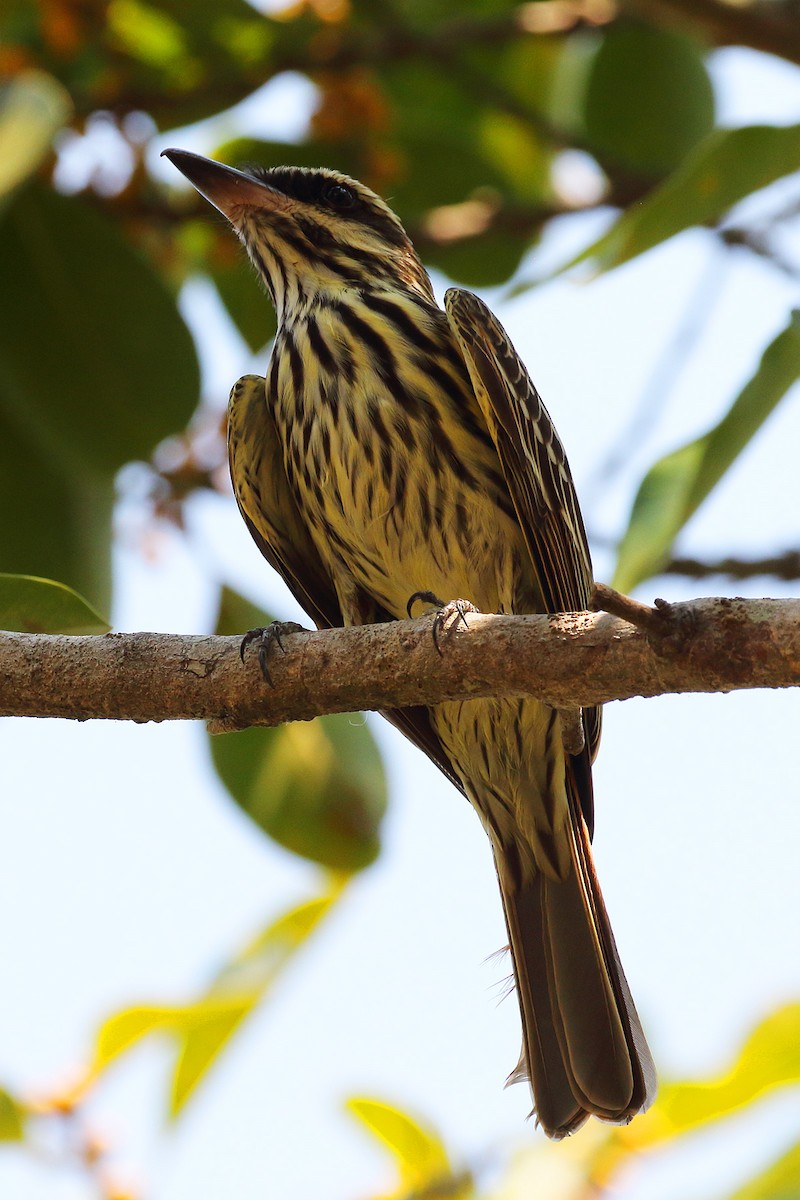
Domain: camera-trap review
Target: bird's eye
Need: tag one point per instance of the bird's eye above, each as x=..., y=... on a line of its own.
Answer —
x=339, y=196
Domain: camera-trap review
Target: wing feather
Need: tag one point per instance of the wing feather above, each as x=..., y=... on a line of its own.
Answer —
x=274, y=519
x=533, y=461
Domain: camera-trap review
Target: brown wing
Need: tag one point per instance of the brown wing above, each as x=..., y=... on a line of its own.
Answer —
x=533, y=461
x=271, y=514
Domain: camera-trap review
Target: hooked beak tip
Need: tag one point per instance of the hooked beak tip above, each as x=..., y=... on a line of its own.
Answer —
x=227, y=189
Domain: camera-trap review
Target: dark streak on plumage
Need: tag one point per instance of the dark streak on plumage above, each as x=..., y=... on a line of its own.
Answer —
x=295, y=362
x=424, y=509
x=325, y=442
x=460, y=515
x=319, y=346
x=409, y=329
x=387, y=464
x=399, y=496
x=308, y=429
x=333, y=398
x=367, y=335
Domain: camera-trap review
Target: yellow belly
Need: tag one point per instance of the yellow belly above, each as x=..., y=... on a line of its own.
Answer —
x=398, y=528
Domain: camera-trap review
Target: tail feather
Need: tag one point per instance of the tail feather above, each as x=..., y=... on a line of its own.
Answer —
x=583, y=1045
x=645, y=1080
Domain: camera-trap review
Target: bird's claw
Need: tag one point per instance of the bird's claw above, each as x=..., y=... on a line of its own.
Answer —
x=448, y=618
x=429, y=598
x=267, y=636
x=448, y=614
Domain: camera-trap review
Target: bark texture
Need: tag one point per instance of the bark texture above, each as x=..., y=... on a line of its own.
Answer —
x=570, y=660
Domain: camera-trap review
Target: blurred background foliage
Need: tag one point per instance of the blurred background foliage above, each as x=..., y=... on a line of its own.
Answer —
x=485, y=123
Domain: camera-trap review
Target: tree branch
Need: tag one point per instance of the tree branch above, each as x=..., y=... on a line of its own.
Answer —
x=707, y=645
x=765, y=26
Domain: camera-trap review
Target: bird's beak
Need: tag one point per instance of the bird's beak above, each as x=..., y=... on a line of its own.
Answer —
x=226, y=188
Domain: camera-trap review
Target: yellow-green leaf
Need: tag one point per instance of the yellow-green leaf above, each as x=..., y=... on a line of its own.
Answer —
x=677, y=484
x=256, y=967
x=32, y=605
x=201, y=1044
x=121, y=1031
x=124, y=1029
x=12, y=1118
x=239, y=986
x=148, y=33
x=769, y=1059
x=33, y=107
x=417, y=1149
x=201, y=1027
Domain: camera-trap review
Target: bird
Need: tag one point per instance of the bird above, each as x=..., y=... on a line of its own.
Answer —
x=397, y=455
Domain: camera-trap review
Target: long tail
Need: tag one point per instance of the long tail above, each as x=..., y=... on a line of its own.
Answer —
x=583, y=1045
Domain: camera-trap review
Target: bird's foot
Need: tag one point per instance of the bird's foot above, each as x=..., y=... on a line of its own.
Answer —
x=448, y=616
x=268, y=636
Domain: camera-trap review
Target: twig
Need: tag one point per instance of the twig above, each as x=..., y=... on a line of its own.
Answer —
x=652, y=620
x=759, y=244
x=784, y=566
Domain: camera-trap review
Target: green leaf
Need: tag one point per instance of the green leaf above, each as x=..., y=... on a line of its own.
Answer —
x=56, y=523
x=185, y=60
x=727, y=166
x=780, y=1180
x=202, y=1027
x=448, y=141
x=483, y=260
x=297, y=786
x=522, y=70
x=513, y=149
x=433, y=115
x=419, y=1152
x=769, y=1059
x=238, y=615
x=96, y=363
x=677, y=484
x=12, y=1118
x=33, y=107
x=31, y=605
x=648, y=98
x=149, y=34
x=245, y=301
x=318, y=788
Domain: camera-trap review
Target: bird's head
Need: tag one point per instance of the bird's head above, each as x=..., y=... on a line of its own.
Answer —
x=309, y=232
